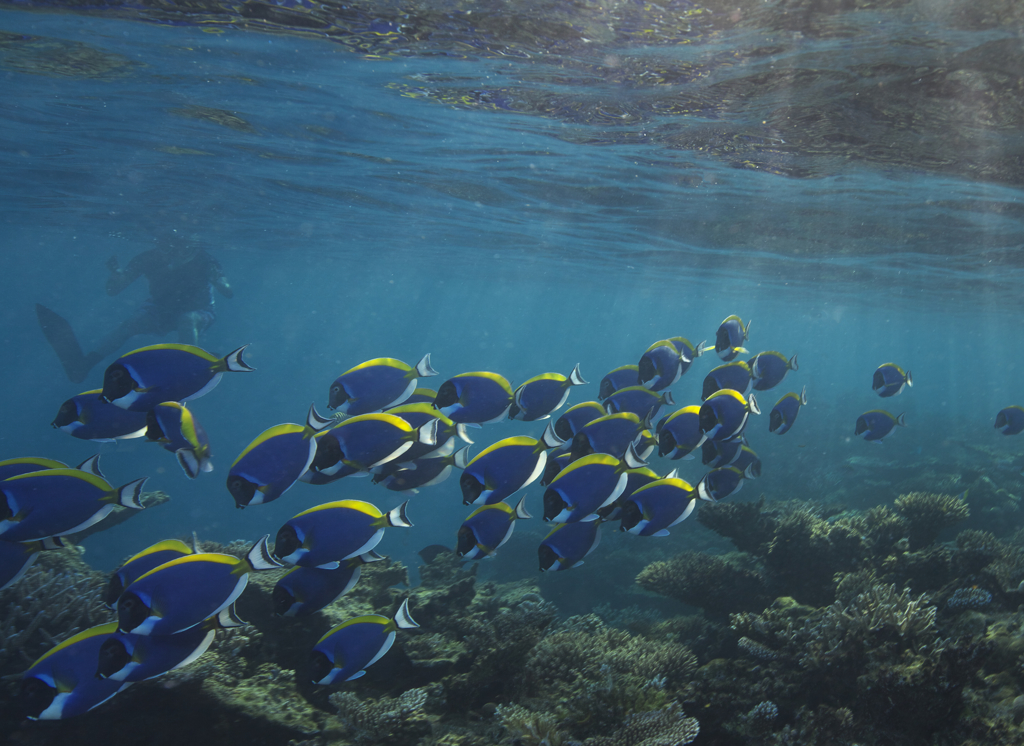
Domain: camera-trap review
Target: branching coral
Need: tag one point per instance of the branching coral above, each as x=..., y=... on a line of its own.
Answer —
x=664, y=727
x=708, y=581
x=927, y=514
x=385, y=720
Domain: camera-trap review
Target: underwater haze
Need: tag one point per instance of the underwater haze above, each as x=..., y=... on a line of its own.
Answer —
x=520, y=188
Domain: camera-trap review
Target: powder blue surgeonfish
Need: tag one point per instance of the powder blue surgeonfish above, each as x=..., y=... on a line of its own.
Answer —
x=364, y=442
x=16, y=558
x=620, y=378
x=56, y=502
x=305, y=590
x=716, y=453
x=660, y=366
x=724, y=414
x=567, y=544
x=349, y=649
x=877, y=424
x=88, y=417
x=890, y=379
x=12, y=467
x=479, y=398
x=576, y=417
x=63, y=682
x=730, y=337
x=541, y=395
x=143, y=378
x=186, y=591
x=613, y=434
x=506, y=467
x=679, y=434
x=1010, y=420
x=720, y=483
x=688, y=352
x=735, y=375
x=769, y=368
x=487, y=528
x=327, y=535
x=377, y=384
x=419, y=415
x=748, y=462
x=274, y=461
x=587, y=485
x=785, y=411
x=654, y=508
x=425, y=472
x=639, y=400
x=138, y=565
x=174, y=427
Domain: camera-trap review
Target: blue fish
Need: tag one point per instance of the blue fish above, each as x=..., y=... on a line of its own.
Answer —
x=730, y=337
x=377, y=384
x=274, y=461
x=174, y=427
x=721, y=483
x=613, y=434
x=639, y=400
x=716, y=453
x=785, y=411
x=558, y=459
x=16, y=558
x=143, y=378
x=576, y=417
x=567, y=544
x=88, y=417
x=479, y=398
x=57, y=502
x=877, y=424
x=366, y=441
x=305, y=590
x=724, y=414
x=660, y=366
x=748, y=462
x=506, y=467
x=327, y=535
x=680, y=434
x=487, y=528
x=425, y=472
x=688, y=352
x=541, y=395
x=889, y=380
x=587, y=485
x=418, y=396
x=12, y=467
x=620, y=378
x=769, y=368
x=63, y=683
x=418, y=415
x=186, y=591
x=735, y=375
x=349, y=649
x=139, y=564
x=1010, y=420
x=654, y=508
x=635, y=479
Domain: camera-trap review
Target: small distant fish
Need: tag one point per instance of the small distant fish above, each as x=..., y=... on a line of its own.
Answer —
x=63, y=682
x=1010, y=421
x=587, y=485
x=366, y=441
x=877, y=424
x=419, y=415
x=567, y=544
x=576, y=417
x=730, y=337
x=178, y=431
x=487, y=528
x=541, y=395
x=748, y=462
x=480, y=398
x=410, y=476
x=784, y=412
x=620, y=378
x=679, y=434
x=305, y=590
x=328, y=534
x=716, y=453
x=735, y=375
x=16, y=558
x=349, y=649
x=139, y=564
x=274, y=461
x=88, y=417
x=506, y=467
x=889, y=380
x=724, y=414
x=767, y=369
x=186, y=591
x=639, y=400
x=143, y=378
x=377, y=384
x=720, y=483
x=656, y=507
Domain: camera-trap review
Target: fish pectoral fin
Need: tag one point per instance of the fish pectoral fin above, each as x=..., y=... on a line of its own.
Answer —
x=356, y=675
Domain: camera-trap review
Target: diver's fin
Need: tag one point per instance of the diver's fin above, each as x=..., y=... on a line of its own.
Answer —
x=62, y=339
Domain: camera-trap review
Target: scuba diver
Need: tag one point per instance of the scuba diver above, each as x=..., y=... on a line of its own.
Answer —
x=182, y=278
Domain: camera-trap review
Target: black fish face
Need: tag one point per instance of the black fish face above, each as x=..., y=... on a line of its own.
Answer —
x=113, y=657
x=282, y=600
x=1001, y=420
x=5, y=508
x=287, y=541
x=775, y=421
x=67, y=414
x=131, y=612
x=551, y=470
x=338, y=396
x=446, y=395
x=707, y=420
x=113, y=591
x=471, y=488
x=548, y=558
x=553, y=504
x=563, y=429
x=877, y=380
x=630, y=515
x=241, y=489
x=35, y=696
x=708, y=452
x=328, y=453
x=581, y=447
x=666, y=443
x=153, y=429
x=466, y=541
x=320, y=666
x=513, y=410
x=606, y=390
x=755, y=469
x=647, y=371
x=862, y=426
x=117, y=382
x=710, y=387
x=722, y=341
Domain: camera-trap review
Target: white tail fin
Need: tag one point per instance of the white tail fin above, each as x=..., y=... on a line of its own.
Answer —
x=461, y=458
x=233, y=361
x=793, y=365
x=699, y=349
x=228, y=618
x=463, y=433
x=520, y=511
x=575, y=379
x=397, y=516
x=632, y=459
x=129, y=495
x=803, y=396
x=423, y=369
x=316, y=422
x=402, y=619
x=260, y=558
x=550, y=439
x=91, y=465
x=902, y=419
x=752, y=402
x=427, y=433
x=188, y=462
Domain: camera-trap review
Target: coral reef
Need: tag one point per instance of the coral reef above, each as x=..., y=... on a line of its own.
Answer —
x=927, y=514
x=384, y=721
x=714, y=583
